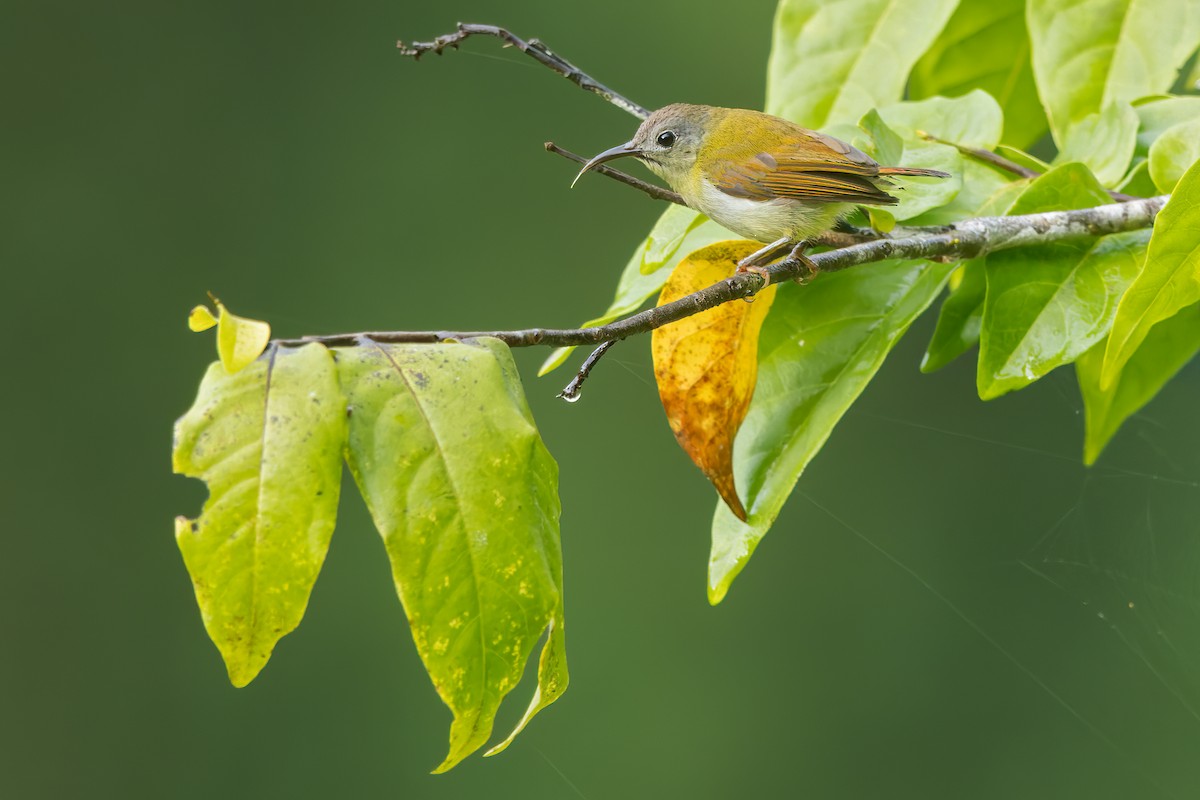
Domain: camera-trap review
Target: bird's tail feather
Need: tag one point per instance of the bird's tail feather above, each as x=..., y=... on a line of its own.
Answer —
x=913, y=172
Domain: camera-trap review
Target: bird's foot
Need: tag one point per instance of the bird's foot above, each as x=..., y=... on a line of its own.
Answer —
x=765, y=255
x=761, y=272
x=810, y=268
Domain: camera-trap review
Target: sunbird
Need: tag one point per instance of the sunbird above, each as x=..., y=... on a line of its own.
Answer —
x=760, y=176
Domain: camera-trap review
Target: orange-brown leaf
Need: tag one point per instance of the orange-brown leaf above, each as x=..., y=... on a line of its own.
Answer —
x=706, y=364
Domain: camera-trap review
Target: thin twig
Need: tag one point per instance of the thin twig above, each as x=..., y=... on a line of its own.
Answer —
x=986, y=156
x=572, y=391
x=657, y=192
x=533, y=48
x=1008, y=165
x=967, y=239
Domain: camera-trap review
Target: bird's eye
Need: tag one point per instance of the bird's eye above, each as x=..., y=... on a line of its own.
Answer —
x=666, y=139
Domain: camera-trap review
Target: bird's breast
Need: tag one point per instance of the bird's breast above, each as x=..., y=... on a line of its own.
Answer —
x=764, y=220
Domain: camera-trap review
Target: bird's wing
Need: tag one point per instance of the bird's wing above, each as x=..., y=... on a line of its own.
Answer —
x=805, y=166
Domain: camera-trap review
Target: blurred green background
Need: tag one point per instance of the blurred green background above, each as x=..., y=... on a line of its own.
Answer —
x=950, y=606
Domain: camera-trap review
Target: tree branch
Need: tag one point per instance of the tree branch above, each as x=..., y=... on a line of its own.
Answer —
x=657, y=192
x=573, y=389
x=532, y=48
x=967, y=239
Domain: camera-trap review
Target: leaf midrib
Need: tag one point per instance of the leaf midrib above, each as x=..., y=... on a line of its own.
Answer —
x=483, y=649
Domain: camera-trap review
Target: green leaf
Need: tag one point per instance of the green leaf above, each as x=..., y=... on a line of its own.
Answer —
x=973, y=120
x=1173, y=153
x=1088, y=54
x=1156, y=116
x=833, y=62
x=679, y=231
x=920, y=195
x=1047, y=305
x=1168, y=346
x=268, y=442
x=820, y=346
x=887, y=146
x=465, y=495
x=985, y=46
x=985, y=192
x=958, y=322
x=1138, y=183
x=1169, y=282
x=1104, y=142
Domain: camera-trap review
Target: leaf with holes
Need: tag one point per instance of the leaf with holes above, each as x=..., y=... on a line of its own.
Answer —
x=465, y=496
x=705, y=365
x=268, y=442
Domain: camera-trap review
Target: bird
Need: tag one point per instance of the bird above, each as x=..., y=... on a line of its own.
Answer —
x=762, y=177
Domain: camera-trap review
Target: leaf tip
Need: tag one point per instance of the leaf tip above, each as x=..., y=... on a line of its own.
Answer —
x=728, y=491
x=716, y=594
x=242, y=671
x=555, y=360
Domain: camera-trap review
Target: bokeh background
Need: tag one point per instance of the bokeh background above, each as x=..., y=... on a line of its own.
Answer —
x=950, y=606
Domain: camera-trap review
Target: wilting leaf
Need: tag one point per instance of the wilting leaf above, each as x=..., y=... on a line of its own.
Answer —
x=201, y=319
x=678, y=232
x=705, y=365
x=1168, y=346
x=1090, y=53
x=1169, y=282
x=1173, y=153
x=820, y=346
x=958, y=322
x=833, y=62
x=465, y=495
x=985, y=46
x=1104, y=141
x=1047, y=305
x=239, y=340
x=268, y=442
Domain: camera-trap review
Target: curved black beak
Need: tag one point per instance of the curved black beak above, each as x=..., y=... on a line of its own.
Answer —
x=619, y=151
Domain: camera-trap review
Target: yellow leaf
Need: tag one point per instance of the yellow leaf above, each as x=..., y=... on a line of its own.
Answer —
x=706, y=364
x=201, y=319
x=240, y=340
